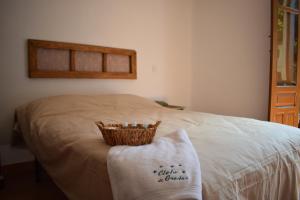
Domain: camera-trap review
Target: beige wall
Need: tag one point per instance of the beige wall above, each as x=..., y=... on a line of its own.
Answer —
x=211, y=55
x=158, y=30
x=230, y=57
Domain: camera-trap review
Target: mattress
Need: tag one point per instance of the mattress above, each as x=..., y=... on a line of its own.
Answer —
x=240, y=158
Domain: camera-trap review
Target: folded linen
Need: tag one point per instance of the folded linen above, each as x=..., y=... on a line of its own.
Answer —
x=168, y=168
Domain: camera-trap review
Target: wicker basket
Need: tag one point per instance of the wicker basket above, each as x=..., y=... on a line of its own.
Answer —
x=117, y=134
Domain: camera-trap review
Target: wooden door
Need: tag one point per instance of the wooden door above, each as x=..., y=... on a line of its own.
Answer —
x=285, y=79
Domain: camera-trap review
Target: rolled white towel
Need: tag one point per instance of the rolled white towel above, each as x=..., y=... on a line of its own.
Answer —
x=168, y=168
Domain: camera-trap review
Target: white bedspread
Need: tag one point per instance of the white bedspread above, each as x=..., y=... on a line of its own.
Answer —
x=240, y=158
x=167, y=169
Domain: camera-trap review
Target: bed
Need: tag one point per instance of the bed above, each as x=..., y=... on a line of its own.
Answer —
x=240, y=158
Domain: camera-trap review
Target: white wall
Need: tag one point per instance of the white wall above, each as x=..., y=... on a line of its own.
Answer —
x=158, y=30
x=230, y=57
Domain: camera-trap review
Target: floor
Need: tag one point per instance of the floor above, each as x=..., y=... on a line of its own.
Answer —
x=20, y=184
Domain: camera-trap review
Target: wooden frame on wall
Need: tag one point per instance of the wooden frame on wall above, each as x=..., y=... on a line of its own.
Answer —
x=49, y=59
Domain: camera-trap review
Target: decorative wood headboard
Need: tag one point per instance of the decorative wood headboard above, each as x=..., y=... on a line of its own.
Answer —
x=48, y=59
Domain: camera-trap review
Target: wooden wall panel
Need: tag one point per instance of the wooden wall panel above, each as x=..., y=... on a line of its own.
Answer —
x=48, y=59
x=53, y=59
x=88, y=61
x=117, y=63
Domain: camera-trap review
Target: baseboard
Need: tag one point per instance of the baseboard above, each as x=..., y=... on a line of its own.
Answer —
x=1, y=181
x=1, y=175
x=12, y=155
x=19, y=183
x=15, y=170
x=18, y=167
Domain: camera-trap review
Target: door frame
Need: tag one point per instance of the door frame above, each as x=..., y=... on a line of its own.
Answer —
x=275, y=106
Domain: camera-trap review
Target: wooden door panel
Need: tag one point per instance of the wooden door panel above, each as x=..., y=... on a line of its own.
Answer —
x=286, y=116
x=286, y=98
x=290, y=119
x=279, y=117
x=285, y=73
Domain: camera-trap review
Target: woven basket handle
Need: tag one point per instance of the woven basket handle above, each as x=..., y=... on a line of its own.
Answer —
x=100, y=124
x=156, y=124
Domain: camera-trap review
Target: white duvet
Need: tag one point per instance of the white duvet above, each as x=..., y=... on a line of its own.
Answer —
x=240, y=158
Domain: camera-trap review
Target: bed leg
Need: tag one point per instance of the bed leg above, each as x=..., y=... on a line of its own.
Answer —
x=37, y=170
